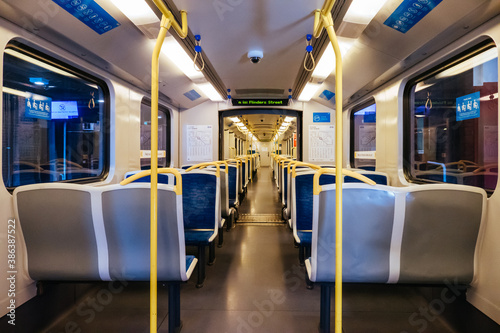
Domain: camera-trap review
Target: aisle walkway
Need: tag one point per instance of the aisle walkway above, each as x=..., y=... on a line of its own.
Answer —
x=262, y=202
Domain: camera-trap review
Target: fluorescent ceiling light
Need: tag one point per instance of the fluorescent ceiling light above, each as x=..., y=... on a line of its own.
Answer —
x=138, y=11
x=210, y=91
x=179, y=57
x=363, y=11
x=326, y=63
x=235, y=119
x=308, y=92
x=289, y=119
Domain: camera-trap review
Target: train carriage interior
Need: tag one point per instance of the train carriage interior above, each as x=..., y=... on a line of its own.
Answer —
x=249, y=166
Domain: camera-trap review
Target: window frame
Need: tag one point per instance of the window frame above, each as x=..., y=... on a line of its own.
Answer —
x=65, y=65
x=442, y=66
x=355, y=109
x=168, y=149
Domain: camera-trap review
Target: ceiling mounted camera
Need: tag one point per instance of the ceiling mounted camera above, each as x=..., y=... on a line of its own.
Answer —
x=255, y=56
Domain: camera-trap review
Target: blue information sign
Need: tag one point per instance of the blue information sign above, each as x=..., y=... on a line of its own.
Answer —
x=321, y=117
x=90, y=13
x=468, y=106
x=409, y=13
x=37, y=106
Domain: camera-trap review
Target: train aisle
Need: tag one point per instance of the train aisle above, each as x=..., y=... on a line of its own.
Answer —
x=262, y=202
x=257, y=285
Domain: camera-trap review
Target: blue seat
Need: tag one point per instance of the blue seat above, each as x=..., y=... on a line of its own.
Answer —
x=378, y=177
x=302, y=211
x=162, y=178
x=201, y=207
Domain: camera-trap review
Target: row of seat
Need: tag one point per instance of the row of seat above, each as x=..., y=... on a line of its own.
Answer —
x=422, y=234
x=84, y=233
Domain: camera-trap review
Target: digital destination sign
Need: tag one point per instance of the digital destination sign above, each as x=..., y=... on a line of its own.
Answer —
x=260, y=102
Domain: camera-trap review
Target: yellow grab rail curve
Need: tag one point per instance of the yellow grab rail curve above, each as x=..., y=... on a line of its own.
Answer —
x=144, y=173
x=290, y=165
x=317, y=188
x=324, y=19
x=204, y=165
x=310, y=165
x=230, y=160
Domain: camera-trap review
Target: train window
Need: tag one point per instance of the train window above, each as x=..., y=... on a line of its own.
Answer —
x=163, y=135
x=54, y=121
x=363, y=136
x=451, y=120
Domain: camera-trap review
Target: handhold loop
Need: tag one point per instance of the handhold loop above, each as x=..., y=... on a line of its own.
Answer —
x=198, y=50
x=309, y=49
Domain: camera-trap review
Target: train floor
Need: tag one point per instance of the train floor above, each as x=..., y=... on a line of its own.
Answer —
x=257, y=285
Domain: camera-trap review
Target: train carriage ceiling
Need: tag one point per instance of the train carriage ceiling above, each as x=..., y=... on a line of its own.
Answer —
x=231, y=28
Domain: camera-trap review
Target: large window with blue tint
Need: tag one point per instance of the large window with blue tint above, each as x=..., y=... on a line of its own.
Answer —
x=54, y=121
x=451, y=121
x=363, y=138
x=163, y=135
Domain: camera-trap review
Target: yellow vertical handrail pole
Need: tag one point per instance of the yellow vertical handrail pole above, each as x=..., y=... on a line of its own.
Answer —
x=155, y=69
x=167, y=21
x=323, y=19
x=328, y=23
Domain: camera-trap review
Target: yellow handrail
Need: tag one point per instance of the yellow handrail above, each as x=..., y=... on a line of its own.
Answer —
x=324, y=19
x=167, y=21
x=144, y=173
x=318, y=188
x=295, y=165
x=290, y=165
x=238, y=162
x=204, y=165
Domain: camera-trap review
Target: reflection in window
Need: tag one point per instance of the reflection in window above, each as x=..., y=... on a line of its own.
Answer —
x=163, y=133
x=53, y=122
x=364, y=137
x=453, y=115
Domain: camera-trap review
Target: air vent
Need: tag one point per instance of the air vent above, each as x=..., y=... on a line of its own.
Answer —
x=260, y=92
x=328, y=95
x=192, y=95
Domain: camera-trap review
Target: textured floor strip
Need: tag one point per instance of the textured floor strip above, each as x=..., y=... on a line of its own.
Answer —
x=250, y=218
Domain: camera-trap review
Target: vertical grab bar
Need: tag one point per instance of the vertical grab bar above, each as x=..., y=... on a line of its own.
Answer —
x=323, y=19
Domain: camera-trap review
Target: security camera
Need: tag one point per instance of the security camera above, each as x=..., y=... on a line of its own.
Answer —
x=255, y=56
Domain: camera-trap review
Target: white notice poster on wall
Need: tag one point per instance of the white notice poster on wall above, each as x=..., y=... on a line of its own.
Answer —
x=199, y=143
x=321, y=143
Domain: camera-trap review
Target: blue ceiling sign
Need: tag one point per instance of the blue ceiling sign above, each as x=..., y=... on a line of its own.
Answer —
x=409, y=13
x=90, y=13
x=468, y=106
x=321, y=117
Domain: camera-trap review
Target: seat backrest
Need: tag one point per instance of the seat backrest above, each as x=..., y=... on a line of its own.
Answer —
x=233, y=182
x=380, y=178
x=126, y=215
x=162, y=178
x=440, y=232
x=302, y=197
x=368, y=218
x=224, y=190
x=200, y=199
x=61, y=225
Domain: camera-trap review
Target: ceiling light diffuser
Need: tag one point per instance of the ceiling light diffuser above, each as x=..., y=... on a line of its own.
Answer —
x=363, y=11
x=138, y=11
